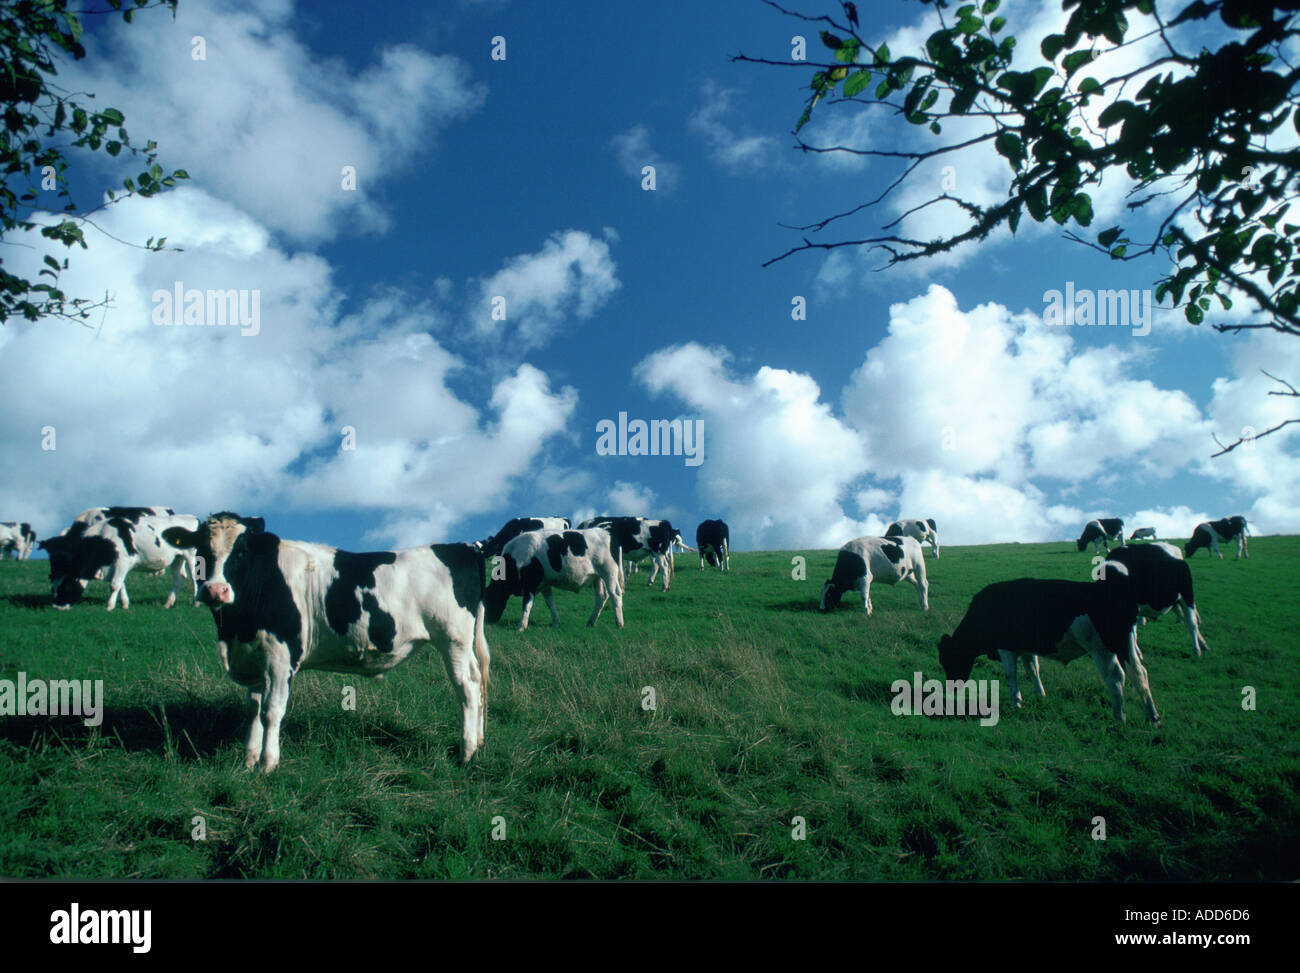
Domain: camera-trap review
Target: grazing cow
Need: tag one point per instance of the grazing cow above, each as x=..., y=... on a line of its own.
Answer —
x=1211, y=532
x=712, y=539
x=885, y=559
x=541, y=560
x=1161, y=580
x=115, y=547
x=1099, y=532
x=284, y=606
x=1142, y=533
x=923, y=531
x=492, y=546
x=1063, y=619
x=18, y=538
x=634, y=539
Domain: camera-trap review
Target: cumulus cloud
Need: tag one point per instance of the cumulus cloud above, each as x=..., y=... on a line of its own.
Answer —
x=729, y=146
x=204, y=418
x=633, y=151
x=572, y=276
x=267, y=124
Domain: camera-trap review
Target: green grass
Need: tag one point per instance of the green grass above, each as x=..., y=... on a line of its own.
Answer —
x=766, y=711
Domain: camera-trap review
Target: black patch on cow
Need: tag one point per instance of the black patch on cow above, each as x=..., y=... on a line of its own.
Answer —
x=499, y=590
x=850, y=567
x=661, y=537
x=558, y=546
x=1157, y=578
x=1229, y=527
x=895, y=530
x=1111, y=525
x=263, y=601
x=81, y=559
x=933, y=525
x=124, y=530
x=130, y=514
x=382, y=629
x=531, y=576
x=468, y=570
x=892, y=551
x=343, y=597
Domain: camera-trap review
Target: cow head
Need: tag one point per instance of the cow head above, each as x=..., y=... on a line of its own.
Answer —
x=224, y=545
x=956, y=663
x=831, y=596
x=1200, y=538
x=500, y=589
x=74, y=561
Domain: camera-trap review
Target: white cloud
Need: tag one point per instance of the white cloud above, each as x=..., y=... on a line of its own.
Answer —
x=633, y=151
x=572, y=276
x=728, y=146
x=267, y=124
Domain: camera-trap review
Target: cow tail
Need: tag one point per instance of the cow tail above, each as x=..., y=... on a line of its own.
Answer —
x=480, y=642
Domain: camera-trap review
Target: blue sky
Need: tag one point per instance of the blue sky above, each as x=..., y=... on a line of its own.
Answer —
x=930, y=391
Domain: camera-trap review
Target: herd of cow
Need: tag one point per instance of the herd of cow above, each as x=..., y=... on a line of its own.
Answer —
x=282, y=606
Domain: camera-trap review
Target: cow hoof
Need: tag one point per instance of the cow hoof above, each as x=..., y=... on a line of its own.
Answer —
x=250, y=759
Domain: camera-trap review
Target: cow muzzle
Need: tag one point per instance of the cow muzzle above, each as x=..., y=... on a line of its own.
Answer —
x=216, y=593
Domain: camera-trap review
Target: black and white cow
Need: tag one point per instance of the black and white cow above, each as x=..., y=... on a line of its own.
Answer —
x=112, y=549
x=285, y=606
x=1099, y=532
x=1142, y=533
x=885, y=559
x=541, y=560
x=923, y=531
x=492, y=546
x=1161, y=580
x=713, y=540
x=1211, y=532
x=634, y=539
x=1062, y=619
x=18, y=538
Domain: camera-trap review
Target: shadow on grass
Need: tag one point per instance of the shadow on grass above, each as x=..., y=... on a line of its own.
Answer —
x=801, y=605
x=193, y=730
x=29, y=601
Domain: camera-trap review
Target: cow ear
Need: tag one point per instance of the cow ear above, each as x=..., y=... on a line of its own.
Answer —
x=180, y=537
x=254, y=525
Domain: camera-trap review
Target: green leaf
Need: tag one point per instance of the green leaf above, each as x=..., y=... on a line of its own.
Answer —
x=1075, y=61
x=1088, y=85
x=989, y=6
x=1010, y=147
x=1052, y=46
x=997, y=24
x=112, y=116
x=1107, y=237
x=113, y=148
x=856, y=82
x=882, y=54
x=831, y=41
x=1194, y=314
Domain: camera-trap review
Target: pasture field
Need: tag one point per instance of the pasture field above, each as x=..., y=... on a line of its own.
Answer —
x=765, y=711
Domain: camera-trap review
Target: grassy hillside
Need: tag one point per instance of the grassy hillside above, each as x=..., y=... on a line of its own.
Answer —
x=766, y=711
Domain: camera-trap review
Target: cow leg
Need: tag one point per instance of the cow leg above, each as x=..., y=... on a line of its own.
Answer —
x=275, y=700
x=1112, y=677
x=1140, y=672
x=118, y=583
x=726, y=556
x=1031, y=667
x=701, y=559
x=1241, y=546
x=253, y=748
x=922, y=590
x=602, y=595
x=549, y=595
x=864, y=589
x=1191, y=618
x=463, y=670
x=654, y=573
x=1214, y=546
x=528, y=607
x=663, y=560
x=1009, y=670
x=610, y=579
x=178, y=576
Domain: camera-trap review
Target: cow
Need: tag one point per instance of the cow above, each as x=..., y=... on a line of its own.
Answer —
x=712, y=540
x=1099, y=532
x=283, y=606
x=634, y=539
x=541, y=560
x=866, y=559
x=492, y=546
x=1161, y=580
x=923, y=531
x=1211, y=532
x=18, y=538
x=1142, y=533
x=114, y=548
x=1031, y=617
